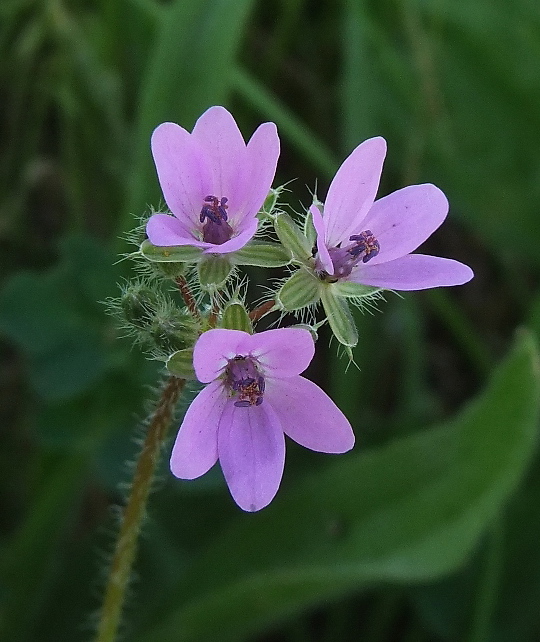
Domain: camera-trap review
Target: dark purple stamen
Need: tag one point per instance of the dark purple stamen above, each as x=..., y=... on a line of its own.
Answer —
x=364, y=247
x=365, y=242
x=245, y=381
x=216, y=229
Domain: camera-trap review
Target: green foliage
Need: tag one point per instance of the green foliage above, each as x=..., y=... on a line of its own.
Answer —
x=443, y=523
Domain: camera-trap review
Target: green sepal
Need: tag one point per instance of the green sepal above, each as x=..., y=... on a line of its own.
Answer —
x=339, y=317
x=351, y=290
x=214, y=270
x=180, y=364
x=235, y=317
x=261, y=254
x=310, y=328
x=271, y=200
x=301, y=290
x=309, y=229
x=170, y=254
x=292, y=238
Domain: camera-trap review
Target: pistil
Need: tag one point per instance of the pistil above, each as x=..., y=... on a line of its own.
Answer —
x=364, y=248
x=245, y=382
x=216, y=230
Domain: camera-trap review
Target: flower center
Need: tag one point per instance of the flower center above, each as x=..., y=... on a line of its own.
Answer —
x=216, y=230
x=364, y=247
x=245, y=381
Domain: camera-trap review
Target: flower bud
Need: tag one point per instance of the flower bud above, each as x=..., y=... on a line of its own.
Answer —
x=235, y=317
x=172, y=330
x=138, y=305
x=213, y=271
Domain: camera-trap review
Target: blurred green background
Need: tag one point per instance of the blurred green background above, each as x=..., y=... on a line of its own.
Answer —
x=429, y=529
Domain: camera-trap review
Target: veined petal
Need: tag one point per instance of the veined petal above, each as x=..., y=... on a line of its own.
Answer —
x=251, y=451
x=322, y=251
x=353, y=190
x=195, y=450
x=182, y=171
x=213, y=350
x=308, y=415
x=246, y=233
x=164, y=230
x=262, y=157
x=225, y=153
x=413, y=272
x=283, y=352
x=404, y=219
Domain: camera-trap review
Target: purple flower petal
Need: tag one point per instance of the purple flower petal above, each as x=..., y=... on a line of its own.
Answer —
x=164, y=230
x=225, y=153
x=245, y=231
x=308, y=415
x=283, y=352
x=251, y=450
x=183, y=174
x=413, y=272
x=353, y=191
x=262, y=157
x=213, y=350
x=404, y=219
x=195, y=450
x=323, y=255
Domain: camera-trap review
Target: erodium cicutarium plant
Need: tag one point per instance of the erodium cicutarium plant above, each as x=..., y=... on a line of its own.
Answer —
x=187, y=306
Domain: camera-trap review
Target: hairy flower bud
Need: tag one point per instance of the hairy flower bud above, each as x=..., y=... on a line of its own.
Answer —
x=138, y=305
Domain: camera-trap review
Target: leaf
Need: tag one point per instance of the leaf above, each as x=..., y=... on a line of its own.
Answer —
x=407, y=512
x=57, y=321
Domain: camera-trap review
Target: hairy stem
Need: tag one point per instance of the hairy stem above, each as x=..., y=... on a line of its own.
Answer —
x=189, y=299
x=126, y=545
x=264, y=308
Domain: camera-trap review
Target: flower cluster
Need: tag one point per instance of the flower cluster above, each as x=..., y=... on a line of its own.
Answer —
x=347, y=250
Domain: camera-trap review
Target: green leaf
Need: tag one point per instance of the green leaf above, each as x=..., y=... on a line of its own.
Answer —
x=339, y=317
x=261, y=254
x=407, y=512
x=170, y=254
x=57, y=322
x=292, y=238
x=180, y=364
x=301, y=290
x=235, y=317
x=214, y=270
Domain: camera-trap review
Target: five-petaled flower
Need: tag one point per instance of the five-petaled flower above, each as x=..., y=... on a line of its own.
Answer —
x=254, y=396
x=213, y=182
x=369, y=242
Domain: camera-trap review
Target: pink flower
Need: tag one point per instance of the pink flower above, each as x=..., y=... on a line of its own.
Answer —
x=254, y=396
x=213, y=182
x=370, y=242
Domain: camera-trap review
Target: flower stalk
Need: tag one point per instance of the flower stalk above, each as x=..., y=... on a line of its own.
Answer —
x=126, y=546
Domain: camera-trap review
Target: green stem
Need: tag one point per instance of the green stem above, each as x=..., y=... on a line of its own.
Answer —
x=126, y=545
